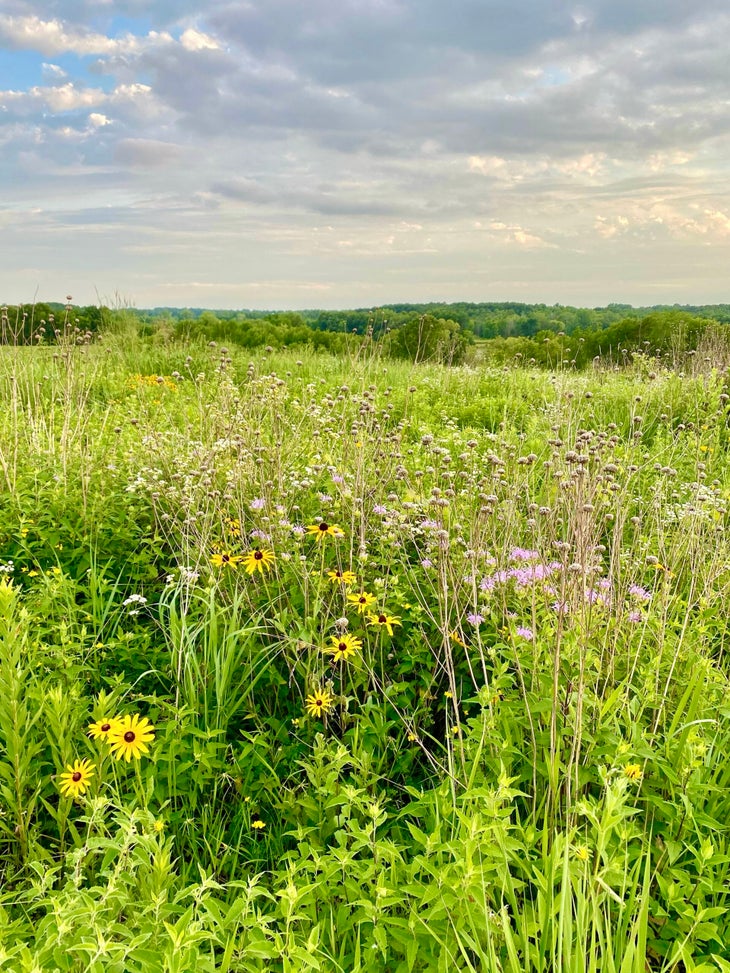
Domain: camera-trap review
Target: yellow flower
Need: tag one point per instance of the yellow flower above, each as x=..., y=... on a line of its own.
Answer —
x=342, y=577
x=319, y=703
x=259, y=560
x=344, y=646
x=582, y=853
x=234, y=525
x=159, y=825
x=455, y=637
x=363, y=601
x=258, y=824
x=102, y=728
x=387, y=621
x=76, y=778
x=322, y=529
x=131, y=736
x=225, y=560
x=632, y=771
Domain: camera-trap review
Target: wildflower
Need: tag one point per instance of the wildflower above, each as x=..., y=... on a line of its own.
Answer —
x=525, y=633
x=475, y=619
x=159, y=825
x=322, y=529
x=225, y=560
x=632, y=771
x=448, y=694
x=258, y=503
x=76, y=778
x=258, y=824
x=635, y=617
x=582, y=853
x=342, y=577
x=380, y=510
x=386, y=621
x=641, y=594
x=131, y=736
x=363, y=600
x=319, y=703
x=457, y=639
x=344, y=646
x=259, y=560
x=101, y=729
x=234, y=525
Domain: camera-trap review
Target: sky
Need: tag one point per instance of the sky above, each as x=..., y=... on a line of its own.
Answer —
x=351, y=153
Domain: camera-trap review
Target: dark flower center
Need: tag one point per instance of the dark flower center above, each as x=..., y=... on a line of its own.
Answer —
x=342, y=646
x=76, y=777
x=105, y=727
x=258, y=555
x=363, y=600
x=225, y=558
x=382, y=619
x=324, y=527
x=130, y=737
x=318, y=702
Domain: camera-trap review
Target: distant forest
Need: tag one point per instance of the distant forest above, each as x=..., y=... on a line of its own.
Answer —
x=540, y=334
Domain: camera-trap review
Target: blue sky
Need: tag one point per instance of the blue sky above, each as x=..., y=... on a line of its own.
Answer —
x=272, y=153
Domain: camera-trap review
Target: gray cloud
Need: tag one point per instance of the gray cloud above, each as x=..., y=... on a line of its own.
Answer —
x=430, y=140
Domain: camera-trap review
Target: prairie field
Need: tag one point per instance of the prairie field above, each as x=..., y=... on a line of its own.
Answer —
x=335, y=662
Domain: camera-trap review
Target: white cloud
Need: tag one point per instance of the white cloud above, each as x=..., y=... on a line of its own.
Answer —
x=195, y=40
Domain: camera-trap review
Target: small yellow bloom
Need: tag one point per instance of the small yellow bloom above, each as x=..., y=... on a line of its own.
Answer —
x=455, y=637
x=259, y=560
x=319, y=703
x=363, y=600
x=582, y=853
x=386, y=621
x=448, y=695
x=258, y=824
x=322, y=529
x=342, y=577
x=101, y=729
x=225, y=560
x=131, y=736
x=344, y=646
x=159, y=825
x=76, y=778
x=632, y=771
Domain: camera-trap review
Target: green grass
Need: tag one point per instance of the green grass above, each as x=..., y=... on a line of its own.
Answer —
x=528, y=774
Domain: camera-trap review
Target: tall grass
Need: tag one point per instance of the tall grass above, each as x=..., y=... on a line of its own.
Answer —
x=520, y=765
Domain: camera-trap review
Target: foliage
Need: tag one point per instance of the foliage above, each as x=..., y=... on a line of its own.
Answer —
x=430, y=663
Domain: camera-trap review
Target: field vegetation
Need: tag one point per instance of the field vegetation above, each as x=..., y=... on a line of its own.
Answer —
x=330, y=660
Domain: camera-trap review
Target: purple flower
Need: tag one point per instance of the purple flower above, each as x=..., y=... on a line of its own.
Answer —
x=636, y=617
x=426, y=563
x=429, y=525
x=641, y=594
x=260, y=535
x=337, y=478
x=488, y=583
x=523, y=554
x=298, y=530
x=475, y=619
x=380, y=509
x=258, y=503
x=525, y=633
x=561, y=607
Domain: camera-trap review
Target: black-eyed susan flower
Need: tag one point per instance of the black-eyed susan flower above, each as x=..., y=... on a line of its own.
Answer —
x=346, y=578
x=76, y=778
x=632, y=771
x=319, y=703
x=323, y=529
x=131, y=736
x=222, y=559
x=363, y=601
x=259, y=560
x=385, y=621
x=344, y=646
x=101, y=729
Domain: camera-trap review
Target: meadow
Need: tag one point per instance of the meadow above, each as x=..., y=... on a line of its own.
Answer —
x=317, y=662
